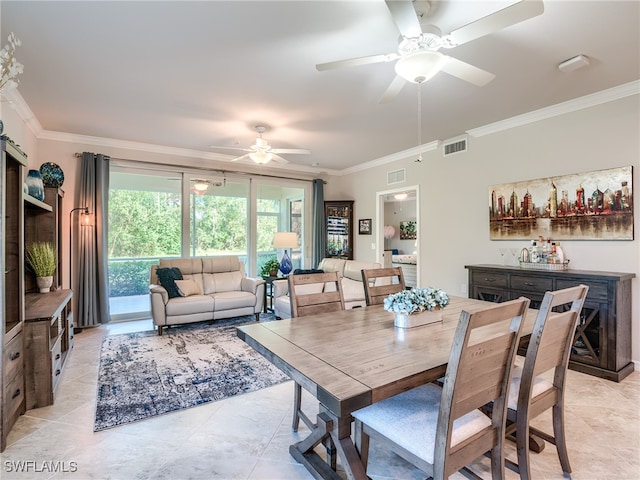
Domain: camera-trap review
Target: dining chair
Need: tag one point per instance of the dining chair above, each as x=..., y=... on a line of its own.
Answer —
x=441, y=430
x=530, y=394
x=310, y=294
x=379, y=283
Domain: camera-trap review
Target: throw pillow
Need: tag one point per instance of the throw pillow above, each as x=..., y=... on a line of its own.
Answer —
x=300, y=271
x=167, y=278
x=188, y=287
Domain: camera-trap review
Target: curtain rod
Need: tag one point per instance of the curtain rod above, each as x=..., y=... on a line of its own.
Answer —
x=141, y=163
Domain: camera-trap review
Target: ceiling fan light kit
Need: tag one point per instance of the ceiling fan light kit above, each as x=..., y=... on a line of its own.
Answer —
x=420, y=66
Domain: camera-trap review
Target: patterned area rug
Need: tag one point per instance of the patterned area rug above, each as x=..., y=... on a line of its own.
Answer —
x=142, y=374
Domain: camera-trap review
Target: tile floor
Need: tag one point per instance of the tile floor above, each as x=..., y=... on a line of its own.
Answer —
x=247, y=437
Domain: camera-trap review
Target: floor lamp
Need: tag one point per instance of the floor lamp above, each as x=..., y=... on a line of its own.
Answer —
x=85, y=214
x=285, y=240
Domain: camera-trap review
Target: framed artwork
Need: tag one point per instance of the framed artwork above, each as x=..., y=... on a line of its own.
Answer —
x=409, y=230
x=338, y=217
x=364, y=226
x=595, y=205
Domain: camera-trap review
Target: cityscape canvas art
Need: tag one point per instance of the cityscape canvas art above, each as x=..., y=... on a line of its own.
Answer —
x=595, y=205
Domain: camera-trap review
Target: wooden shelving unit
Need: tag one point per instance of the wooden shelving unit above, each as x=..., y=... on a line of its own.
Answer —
x=12, y=397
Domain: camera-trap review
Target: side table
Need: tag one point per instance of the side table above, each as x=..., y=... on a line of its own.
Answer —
x=268, y=292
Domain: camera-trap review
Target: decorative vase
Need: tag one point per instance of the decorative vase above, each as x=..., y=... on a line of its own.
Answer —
x=285, y=264
x=406, y=320
x=35, y=184
x=44, y=284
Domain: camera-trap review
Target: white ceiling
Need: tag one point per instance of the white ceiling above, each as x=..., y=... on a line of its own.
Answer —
x=193, y=74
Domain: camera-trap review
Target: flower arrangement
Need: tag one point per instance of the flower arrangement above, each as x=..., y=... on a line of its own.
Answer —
x=416, y=300
x=11, y=68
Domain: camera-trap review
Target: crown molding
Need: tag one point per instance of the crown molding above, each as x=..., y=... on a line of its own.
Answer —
x=580, y=103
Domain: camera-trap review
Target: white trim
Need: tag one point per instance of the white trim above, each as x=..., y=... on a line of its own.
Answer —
x=604, y=96
x=586, y=101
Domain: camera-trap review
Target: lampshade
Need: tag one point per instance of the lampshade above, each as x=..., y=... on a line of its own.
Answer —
x=261, y=157
x=420, y=66
x=285, y=240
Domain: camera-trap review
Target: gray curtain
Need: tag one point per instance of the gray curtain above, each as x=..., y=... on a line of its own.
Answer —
x=319, y=237
x=93, y=291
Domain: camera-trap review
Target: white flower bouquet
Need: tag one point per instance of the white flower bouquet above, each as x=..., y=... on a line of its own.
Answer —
x=416, y=300
x=10, y=68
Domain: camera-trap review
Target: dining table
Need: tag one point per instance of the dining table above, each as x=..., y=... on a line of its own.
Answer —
x=353, y=358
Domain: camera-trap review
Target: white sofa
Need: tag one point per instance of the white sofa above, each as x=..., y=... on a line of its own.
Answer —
x=221, y=290
x=350, y=272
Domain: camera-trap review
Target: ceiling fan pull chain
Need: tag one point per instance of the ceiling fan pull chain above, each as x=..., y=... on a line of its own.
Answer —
x=419, y=159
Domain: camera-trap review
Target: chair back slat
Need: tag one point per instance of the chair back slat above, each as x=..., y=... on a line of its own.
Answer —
x=379, y=283
x=552, y=337
x=315, y=293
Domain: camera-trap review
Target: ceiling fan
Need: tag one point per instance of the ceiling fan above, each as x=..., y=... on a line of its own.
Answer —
x=261, y=152
x=418, y=58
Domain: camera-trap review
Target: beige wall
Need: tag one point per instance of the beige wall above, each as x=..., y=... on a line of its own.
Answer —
x=453, y=223
x=453, y=211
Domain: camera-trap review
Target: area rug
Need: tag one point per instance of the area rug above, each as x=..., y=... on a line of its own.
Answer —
x=143, y=375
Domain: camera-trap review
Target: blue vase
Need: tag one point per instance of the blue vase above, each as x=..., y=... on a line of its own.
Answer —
x=35, y=184
x=285, y=264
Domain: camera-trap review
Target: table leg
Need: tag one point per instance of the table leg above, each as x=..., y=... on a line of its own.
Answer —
x=337, y=431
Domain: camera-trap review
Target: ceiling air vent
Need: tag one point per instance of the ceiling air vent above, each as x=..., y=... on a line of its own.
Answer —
x=455, y=146
x=395, y=176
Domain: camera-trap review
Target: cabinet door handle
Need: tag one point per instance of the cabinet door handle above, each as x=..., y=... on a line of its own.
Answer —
x=489, y=279
x=14, y=356
x=530, y=284
x=16, y=394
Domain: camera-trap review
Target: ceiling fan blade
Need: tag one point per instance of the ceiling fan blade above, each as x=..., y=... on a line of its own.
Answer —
x=516, y=13
x=405, y=17
x=231, y=148
x=279, y=159
x=352, y=62
x=393, y=90
x=300, y=151
x=241, y=157
x=467, y=72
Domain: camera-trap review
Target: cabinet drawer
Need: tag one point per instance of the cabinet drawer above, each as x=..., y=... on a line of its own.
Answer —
x=14, y=400
x=491, y=279
x=597, y=290
x=531, y=284
x=13, y=355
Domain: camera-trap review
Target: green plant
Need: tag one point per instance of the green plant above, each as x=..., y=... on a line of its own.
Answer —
x=41, y=258
x=268, y=266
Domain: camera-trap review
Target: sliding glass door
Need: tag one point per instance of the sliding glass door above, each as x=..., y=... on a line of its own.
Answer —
x=160, y=214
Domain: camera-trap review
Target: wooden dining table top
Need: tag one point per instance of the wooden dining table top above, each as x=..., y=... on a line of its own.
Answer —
x=353, y=358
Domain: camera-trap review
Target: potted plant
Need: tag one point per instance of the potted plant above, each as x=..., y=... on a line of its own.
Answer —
x=41, y=259
x=418, y=306
x=270, y=268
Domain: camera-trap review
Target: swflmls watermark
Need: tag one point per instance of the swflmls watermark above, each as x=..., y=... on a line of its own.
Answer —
x=35, y=466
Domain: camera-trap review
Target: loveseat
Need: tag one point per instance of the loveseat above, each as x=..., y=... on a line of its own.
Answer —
x=208, y=288
x=350, y=272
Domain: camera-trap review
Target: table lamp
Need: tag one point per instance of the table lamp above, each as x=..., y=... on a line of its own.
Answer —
x=285, y=240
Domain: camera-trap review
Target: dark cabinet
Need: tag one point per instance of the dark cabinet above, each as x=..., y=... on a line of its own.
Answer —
x=338, y=217
x=602, y=341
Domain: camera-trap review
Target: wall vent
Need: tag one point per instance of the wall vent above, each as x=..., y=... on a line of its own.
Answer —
x=395, y=176
x=455, y=146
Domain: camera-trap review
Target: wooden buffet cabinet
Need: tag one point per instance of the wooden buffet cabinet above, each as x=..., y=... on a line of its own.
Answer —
x=602, y=342
x=37, y=329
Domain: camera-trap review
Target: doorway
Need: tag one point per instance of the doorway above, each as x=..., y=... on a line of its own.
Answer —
x=397, y=235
